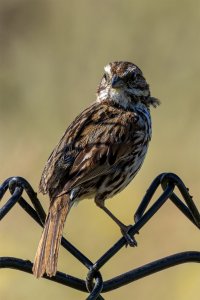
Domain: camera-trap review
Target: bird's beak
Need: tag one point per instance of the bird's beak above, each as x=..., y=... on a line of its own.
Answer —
x=117, y=82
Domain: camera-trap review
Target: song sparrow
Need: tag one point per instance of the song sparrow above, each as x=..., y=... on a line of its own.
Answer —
x=98, y=155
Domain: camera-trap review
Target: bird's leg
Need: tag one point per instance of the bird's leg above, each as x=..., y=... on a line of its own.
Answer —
x=124, y=228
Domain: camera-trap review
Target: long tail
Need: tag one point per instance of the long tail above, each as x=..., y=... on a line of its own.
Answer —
x=46, y=257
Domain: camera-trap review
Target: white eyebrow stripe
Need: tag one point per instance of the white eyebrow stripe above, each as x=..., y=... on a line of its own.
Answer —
x=108, y=69
x=131, y=69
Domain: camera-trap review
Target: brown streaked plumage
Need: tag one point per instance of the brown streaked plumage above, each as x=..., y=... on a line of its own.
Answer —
x=98, y=155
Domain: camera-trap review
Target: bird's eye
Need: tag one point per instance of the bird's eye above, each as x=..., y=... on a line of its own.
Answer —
x=130, y=77
x=105, y=76
x=133, y=75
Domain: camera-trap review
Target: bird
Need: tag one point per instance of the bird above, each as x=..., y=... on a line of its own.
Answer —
x=98, y=155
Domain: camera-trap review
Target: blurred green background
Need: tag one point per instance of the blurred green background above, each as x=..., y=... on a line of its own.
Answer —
x=52, y=55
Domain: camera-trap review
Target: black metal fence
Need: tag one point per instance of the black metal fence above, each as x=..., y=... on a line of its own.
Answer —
x=94, y=284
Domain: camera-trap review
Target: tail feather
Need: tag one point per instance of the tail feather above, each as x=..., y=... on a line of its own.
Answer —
x=46, y=257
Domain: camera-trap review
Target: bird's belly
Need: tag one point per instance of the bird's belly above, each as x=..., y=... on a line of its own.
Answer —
x=121, y=176
x=116, y=179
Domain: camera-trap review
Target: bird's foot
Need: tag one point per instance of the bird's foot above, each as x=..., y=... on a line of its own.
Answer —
x=131, y=241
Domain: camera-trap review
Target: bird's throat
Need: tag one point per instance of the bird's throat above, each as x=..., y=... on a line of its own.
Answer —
x=118, y=96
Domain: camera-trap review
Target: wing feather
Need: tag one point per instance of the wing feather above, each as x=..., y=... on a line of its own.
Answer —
x=98, y=138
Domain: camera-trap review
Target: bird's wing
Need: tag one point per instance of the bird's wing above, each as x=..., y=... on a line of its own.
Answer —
x=101, y=136
x=62, y=157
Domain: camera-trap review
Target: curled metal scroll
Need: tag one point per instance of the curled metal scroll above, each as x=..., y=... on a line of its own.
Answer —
x=94, y=284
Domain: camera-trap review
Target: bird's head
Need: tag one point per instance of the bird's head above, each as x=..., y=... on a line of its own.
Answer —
x=124, y=84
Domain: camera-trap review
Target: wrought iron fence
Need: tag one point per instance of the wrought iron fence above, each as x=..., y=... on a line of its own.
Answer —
x=94, y=284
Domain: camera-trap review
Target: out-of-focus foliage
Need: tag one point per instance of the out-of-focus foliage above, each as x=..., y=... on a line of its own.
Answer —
x=52, y=55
